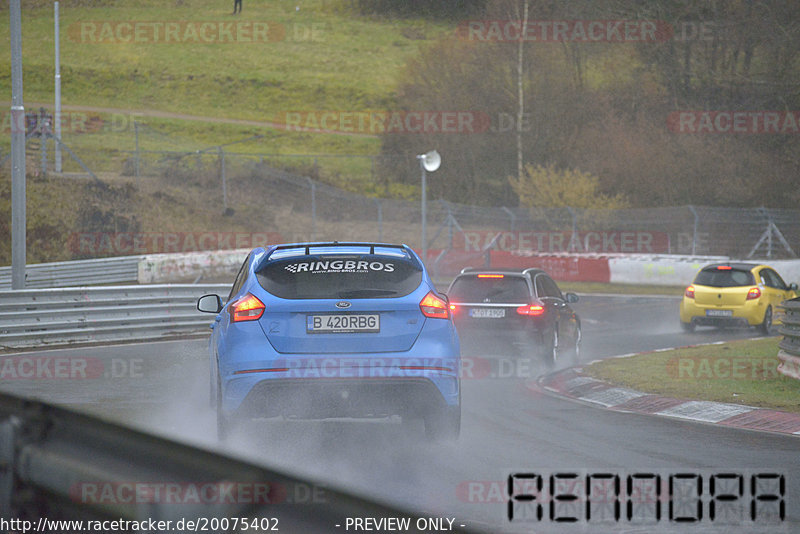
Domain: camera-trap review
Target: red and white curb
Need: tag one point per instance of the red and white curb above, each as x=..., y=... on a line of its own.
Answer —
x=571, y=383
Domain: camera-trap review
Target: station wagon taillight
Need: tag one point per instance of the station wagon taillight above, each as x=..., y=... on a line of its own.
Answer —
x=434, y=306
x=247, y=308
x=534, y=310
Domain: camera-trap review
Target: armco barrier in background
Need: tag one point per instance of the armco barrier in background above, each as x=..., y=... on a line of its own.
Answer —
x=36, y=317
x=118, y=270
x=663, y=269
x=789, y=353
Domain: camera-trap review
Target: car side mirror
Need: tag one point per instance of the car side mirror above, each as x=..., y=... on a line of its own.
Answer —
x=209, y=304
x=793, y=287
x=572, y=298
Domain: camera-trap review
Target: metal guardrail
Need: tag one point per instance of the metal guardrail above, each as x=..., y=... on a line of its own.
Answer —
x=56, y=464
x=789, y=353
x=36, y=317
x=118, y=270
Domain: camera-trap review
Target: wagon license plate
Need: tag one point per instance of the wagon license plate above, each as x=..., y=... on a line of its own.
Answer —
x=343, y=323
x=719, y=313
x=490, y=313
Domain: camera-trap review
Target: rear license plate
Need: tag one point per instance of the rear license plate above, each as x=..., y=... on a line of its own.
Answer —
x=343, y=323
x=483, y=313
x=719, y=313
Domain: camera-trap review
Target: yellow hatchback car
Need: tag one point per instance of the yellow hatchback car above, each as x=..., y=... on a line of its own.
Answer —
x=734, y=294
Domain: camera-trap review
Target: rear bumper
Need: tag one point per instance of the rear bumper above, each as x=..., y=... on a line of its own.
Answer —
x=313, y=386
x=486, y=334
x=750, y=314
x=723, y=322
x=352, y=397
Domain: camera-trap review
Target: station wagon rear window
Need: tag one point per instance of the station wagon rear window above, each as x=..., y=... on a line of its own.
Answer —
x=340, y=276
x=724, y=278
x=506, y=290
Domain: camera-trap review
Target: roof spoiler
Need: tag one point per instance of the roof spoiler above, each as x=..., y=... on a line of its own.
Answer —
x=308, y=246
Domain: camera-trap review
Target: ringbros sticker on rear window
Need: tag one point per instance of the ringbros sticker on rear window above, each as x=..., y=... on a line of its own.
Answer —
x=350, y=276
x=339, y=266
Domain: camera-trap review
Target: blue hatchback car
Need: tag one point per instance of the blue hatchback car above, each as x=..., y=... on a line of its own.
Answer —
x=334, y=330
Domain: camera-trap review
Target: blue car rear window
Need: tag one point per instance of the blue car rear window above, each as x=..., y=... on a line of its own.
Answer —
x=724, y=278
x=340, y=276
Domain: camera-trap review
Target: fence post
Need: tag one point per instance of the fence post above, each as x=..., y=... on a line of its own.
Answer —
x=136, y=158
x=313, y=207
x=574, y=242
x=450, y=220
x=221, y=154
x=694, y=231
x=43, y=149
x=510, y=216
x=380, y=219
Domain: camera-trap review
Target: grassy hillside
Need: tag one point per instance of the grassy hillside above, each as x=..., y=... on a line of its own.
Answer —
x=320, y=57
x=346, y=63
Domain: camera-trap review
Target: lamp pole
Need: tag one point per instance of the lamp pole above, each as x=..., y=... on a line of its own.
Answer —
x=421, y=159
x=57, y=118
x=428, y=162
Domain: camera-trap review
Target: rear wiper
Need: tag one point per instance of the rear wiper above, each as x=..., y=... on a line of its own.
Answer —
x=356, y=293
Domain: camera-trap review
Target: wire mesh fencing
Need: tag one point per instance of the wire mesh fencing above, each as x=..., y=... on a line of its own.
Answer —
x=286, y=196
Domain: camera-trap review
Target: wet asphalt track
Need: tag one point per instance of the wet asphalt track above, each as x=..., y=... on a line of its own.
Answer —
x=163, y=388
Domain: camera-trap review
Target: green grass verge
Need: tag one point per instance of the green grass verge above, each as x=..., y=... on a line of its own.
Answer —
x=740, y=372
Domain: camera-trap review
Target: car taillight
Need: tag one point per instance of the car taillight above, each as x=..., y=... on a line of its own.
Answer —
x=689, y=293
x=531, y=309
x=434, y=307
x=754, y=293
x=247, y=308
